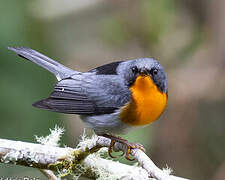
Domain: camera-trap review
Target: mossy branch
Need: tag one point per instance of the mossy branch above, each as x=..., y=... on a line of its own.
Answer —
x=80, y=161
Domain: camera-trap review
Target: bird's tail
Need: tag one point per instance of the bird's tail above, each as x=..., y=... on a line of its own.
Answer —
x=56, y=68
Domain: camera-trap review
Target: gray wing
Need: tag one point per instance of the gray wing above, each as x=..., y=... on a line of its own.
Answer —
x=87, y=94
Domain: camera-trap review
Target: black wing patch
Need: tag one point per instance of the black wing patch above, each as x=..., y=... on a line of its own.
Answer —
x=107, y=69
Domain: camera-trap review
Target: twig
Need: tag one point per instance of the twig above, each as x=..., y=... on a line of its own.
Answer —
x=49, y=174
x=68, y=159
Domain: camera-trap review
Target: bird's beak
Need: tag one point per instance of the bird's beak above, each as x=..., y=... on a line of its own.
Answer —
x=144, y=72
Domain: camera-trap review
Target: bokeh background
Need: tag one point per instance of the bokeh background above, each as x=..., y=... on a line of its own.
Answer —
x=187, y=37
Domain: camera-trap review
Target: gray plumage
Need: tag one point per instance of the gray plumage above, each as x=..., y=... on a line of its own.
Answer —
x=96, y=95
x=88, y=94
x=56, y=68
x=77, y=92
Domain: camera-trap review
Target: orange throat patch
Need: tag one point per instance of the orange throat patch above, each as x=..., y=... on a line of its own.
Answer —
x=147, y=103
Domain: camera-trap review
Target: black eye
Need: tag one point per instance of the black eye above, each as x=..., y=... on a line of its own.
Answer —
x=134, y=69
x=154, y=71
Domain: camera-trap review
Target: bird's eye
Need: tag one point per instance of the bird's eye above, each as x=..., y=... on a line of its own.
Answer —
x=154, y=71
x=134, y=69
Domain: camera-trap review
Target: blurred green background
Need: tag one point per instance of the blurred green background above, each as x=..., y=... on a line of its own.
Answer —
x=187, y=37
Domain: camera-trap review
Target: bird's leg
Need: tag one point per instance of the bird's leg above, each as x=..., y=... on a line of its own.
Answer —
x=128, y=145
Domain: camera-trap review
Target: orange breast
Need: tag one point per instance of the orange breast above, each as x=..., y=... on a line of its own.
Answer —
x=147, y=103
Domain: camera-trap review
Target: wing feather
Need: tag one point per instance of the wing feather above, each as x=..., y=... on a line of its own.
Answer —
x=87, y=94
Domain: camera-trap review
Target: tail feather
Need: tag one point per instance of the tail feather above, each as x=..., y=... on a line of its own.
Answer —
x=56, y=68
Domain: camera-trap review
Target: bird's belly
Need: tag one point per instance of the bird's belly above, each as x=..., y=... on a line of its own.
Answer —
x=106, y=123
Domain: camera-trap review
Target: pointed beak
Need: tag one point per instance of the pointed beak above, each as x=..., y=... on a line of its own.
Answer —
x=144, y=72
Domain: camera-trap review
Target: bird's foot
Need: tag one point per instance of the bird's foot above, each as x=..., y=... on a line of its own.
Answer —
x=129, y=146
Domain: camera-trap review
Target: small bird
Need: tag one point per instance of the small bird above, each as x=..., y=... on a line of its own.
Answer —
x=110, y=99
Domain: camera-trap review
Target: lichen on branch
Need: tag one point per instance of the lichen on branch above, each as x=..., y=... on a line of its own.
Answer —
x=84, y=160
